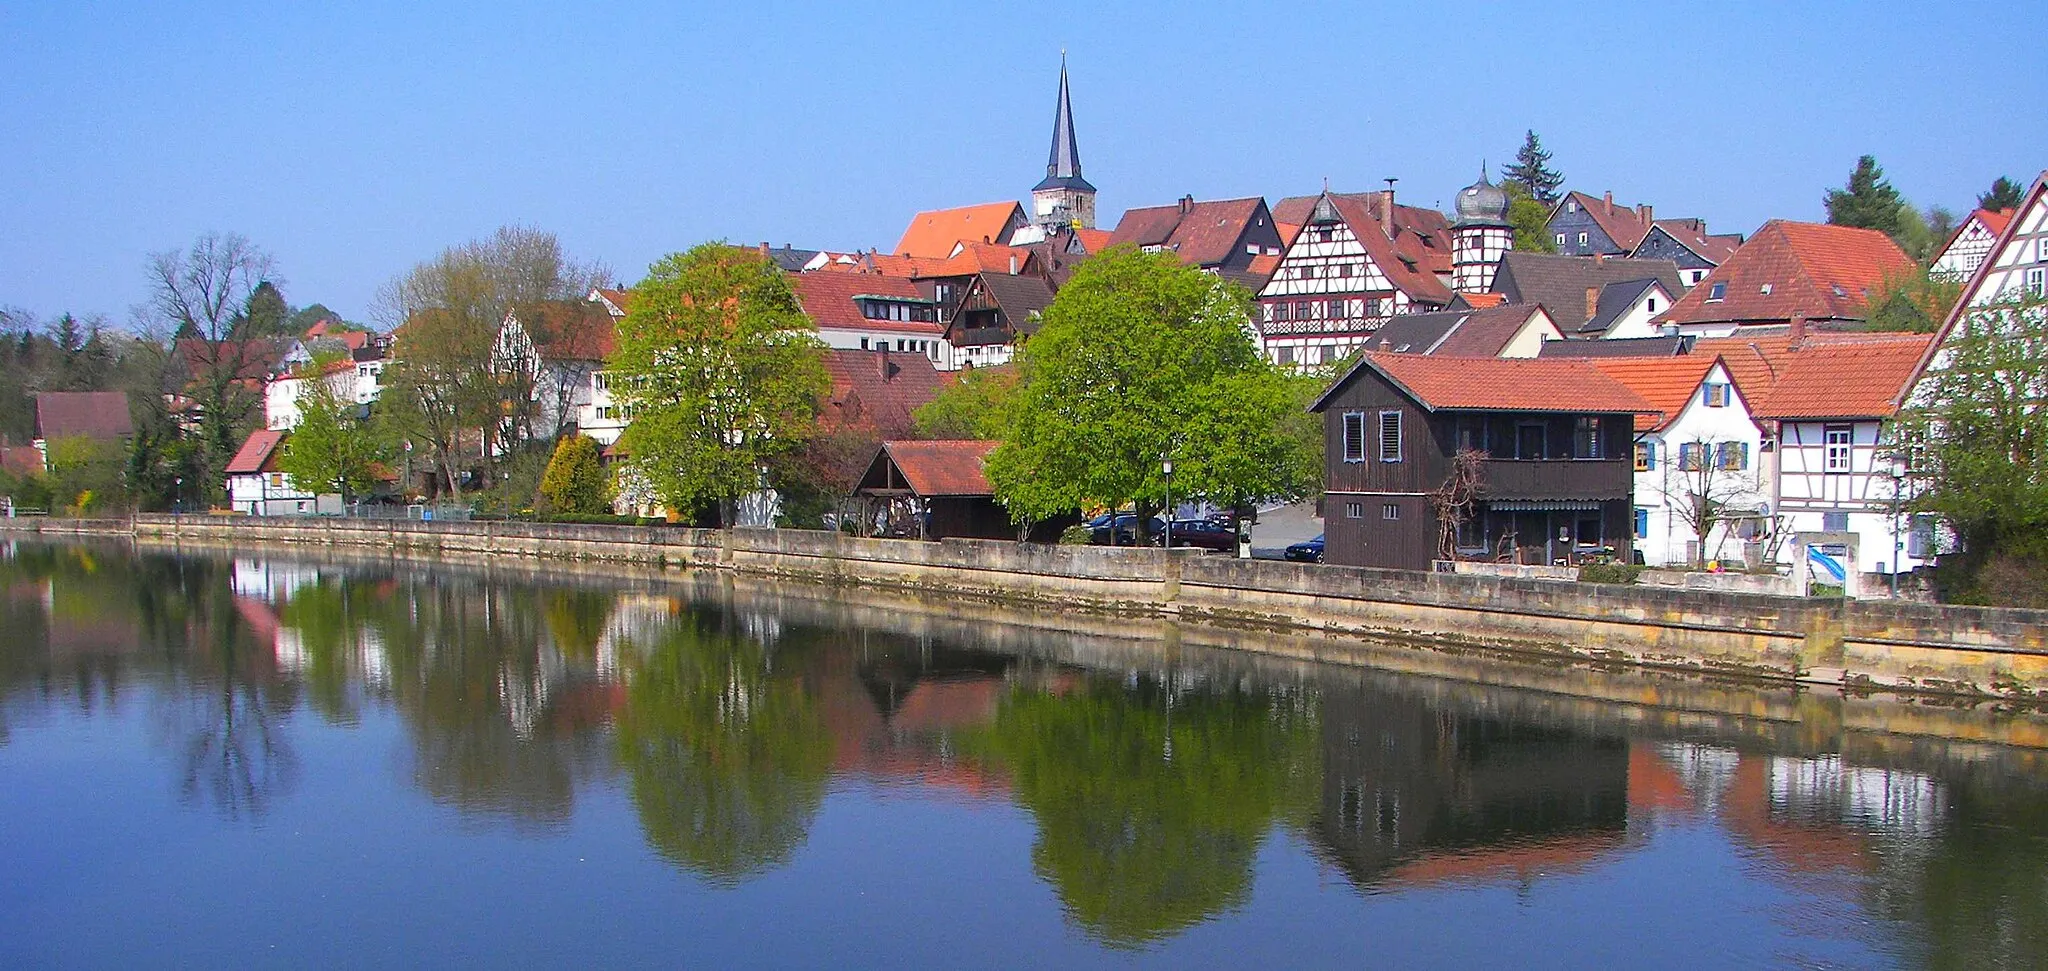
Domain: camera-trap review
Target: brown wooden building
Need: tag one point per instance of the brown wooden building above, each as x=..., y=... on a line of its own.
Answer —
x=1556, y=438
x=934, y=489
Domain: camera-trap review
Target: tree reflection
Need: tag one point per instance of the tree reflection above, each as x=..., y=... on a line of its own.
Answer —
x=726, y=753
x=1978, y=895
x=1150, y=812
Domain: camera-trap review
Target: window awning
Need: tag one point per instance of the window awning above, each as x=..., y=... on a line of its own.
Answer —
x=1544, y=505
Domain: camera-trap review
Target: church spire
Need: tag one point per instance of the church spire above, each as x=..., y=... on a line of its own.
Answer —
x=1063, y=163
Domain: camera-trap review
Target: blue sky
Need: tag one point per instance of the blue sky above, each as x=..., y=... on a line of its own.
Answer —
x=353, y=140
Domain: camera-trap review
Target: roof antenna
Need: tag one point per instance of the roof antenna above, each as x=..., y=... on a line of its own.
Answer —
x=1326, y=183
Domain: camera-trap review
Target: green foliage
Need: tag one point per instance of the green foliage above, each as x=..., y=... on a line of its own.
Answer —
x=86, y=475
x=332, y=449
x=721, y=370
x=1979, y=439
x=27, y=491
x=1625, y=573
x=1915, y=301
x=575, y=481
x=1867, y=202
x=1140, y=358
x=2003, y=194
x=1531, y=220
x=974, y=406
x=515, y=489
x=1077, y=535
x=1531, y=172
x=265, y=314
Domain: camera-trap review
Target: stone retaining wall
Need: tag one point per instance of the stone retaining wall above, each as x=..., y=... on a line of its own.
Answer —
x=1874, y=643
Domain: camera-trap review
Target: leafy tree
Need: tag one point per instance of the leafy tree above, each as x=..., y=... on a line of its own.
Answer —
x=1140, y=358
x=721, y=370
x=86, y=475
x=575, y=480
x=975, y=406
x=332, y=447
x=1978, y=437
x=1914, y=300
x=201, y=296
x=303, y=319
x=438, y=392
x=1867, y=202
x=2003, y=194
x=1531, y=220
x=1532, y=172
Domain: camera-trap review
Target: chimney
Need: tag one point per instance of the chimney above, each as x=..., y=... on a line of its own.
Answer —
x=882, y=365
x=1609, y=197
x=764, y=247
x=1592, y=302
x=1798, y=329
x=1386, y=345
x=1599, y=259
x=1668, y=329
x=1387, y=212
x=1187, y=204
x=1013, y=264
x=1649, y=216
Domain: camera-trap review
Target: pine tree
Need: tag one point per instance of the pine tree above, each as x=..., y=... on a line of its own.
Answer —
x=1531, y=170
x=2004, y=194
x=1867, y=202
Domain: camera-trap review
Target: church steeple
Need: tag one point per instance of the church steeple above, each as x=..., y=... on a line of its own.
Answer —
x=1064, y=198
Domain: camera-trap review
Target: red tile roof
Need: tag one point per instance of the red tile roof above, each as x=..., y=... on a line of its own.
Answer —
x=1483, y=301
x=1666, y=382
x=975, y=258
x=1994, y=220
x=1812, y=270
x=1202, y=234
x=828, y=299
x=570, y=330
x=612, y=299
x=1499, y=384
x=1846, y=379
x=1093, y=240
x=1418, y=252
x=256, y=453
x=932, y=234
x=878, y=390
x=942, y=468
x=83, y=414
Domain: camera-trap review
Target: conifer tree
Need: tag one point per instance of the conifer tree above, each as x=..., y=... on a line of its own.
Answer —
x=2003, y=194
x=1867, y=202
x=1531, y=170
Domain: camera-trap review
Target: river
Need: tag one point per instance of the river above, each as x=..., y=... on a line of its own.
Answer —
x=266, y=759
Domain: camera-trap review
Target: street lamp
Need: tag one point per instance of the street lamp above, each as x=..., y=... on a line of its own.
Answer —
x=1166, y=468
x=1897, y=472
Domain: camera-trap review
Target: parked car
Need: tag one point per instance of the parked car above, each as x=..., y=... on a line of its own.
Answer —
x=1307, y=551
x=1126, y=529
x=1204, y=534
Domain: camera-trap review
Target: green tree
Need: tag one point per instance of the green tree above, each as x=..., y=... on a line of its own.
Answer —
x=86, y=475
x=1141, y=358
x=2003, y=194
x=1867, y=202
x=200, y=296
x=1914, y=300
x=974, y=406
x=1978, y=437
x=333, y=448
x=575, y=480
x=266, y=314
x=722, y=372
x=1532, y=172
x=1531, y=220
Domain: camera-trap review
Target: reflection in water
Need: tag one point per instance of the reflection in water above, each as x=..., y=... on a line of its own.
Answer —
x=1152, y=779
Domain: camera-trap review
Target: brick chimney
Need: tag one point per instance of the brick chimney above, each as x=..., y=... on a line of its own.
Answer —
x=1648, y=215
x=884, y=367
x=1797, y=330
x=1609, y=197
x=1592, y=302
x=764, y=247
x=1387, y=211
x=1187, y=204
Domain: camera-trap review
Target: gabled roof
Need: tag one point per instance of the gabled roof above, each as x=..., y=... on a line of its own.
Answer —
x=1615, y=300
x=257, y=453
x=932, y=233
x=99, y=415
x=1478, y=301
x=1793, y=269
x=1692, y=234
x=1093, y=241
x=569, y=330
x=878, y=390
x=21, y=460
x=828, y=298
x=1412, y=260
x=1560, y=283
x=1667, y=383
x=1623, y=224
x=1617, y=347
x=612, y=299
x=1019, y=297
x=971, y=258
x=941, y=468
x=1993, y=220
x=1200, y=233
x=1454, y=333
x=1972, y=297
x=1552, y=385
x=1862, y=379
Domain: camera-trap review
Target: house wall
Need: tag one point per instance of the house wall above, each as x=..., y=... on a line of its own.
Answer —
x=1528, y=342
x=1637, y=322
x=1334, y=297
x=1658, y=245
x=1863, y=494
x=1965, y=253
x=1570, y=221
x=268, y=494
x=1665, y=488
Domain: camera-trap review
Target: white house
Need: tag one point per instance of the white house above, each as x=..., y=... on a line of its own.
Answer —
x=562, y=345
x=1357, y=261
x=349, y=380
x=256, y=487
x=871, y=311
x=1625, y=310
x=1970, y=244
x=1703, y=451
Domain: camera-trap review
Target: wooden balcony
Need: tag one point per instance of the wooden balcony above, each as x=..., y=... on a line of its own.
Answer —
x=1558, y=479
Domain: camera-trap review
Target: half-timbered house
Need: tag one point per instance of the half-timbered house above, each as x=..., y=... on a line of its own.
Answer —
x=1699, y=462
x=995, y=311
x=1970, y=244
x=1357, y=261
x=1555, y=479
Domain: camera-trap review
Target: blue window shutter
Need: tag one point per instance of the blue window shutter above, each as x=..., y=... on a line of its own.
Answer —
x=1642, y=524
x=1649, y=460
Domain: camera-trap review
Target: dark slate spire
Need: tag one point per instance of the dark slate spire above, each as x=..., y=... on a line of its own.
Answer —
x=1063, y=163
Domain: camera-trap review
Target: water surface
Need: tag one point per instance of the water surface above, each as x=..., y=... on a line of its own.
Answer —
x=227, y=761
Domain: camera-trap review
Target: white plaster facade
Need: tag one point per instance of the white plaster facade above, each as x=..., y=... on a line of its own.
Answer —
x=1732, y=467
x=1636, y=320
x=1836, y=477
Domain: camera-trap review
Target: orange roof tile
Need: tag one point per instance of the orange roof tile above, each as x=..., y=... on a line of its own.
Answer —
x=1483, y=301
x=1665, y=382
x=943, y=468
x=1093, y=240
x=828, y=298
x=1551, y=384
x=933, y=233
x=1793, y=269
x=256, y=452
x=1846, y=379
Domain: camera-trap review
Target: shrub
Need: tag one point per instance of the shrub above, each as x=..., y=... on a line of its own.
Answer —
x=575, y=481
x=1609, y=573
x=1077, y=535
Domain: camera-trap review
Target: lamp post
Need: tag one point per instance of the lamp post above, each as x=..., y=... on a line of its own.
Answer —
x=1897, y=472
x=1166, y=468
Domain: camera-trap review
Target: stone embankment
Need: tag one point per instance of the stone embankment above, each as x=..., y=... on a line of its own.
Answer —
x=1877, y=644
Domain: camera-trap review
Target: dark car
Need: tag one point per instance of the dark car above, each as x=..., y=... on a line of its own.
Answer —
x=1126, y=529
x=1307, y=551
x=1204, y=534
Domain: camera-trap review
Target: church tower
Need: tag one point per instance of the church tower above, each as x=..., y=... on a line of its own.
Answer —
x=1480, y=237
x=1064, y=199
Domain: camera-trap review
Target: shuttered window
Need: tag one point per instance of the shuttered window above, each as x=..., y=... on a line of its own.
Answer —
x=1354, y=436
x=1390, y=436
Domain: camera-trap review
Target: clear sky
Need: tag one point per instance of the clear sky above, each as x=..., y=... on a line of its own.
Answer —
x=352, y=140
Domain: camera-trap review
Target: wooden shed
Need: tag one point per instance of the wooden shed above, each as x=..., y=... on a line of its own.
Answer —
x=932, y=490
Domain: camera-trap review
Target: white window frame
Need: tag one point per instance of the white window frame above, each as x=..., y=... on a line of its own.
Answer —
x=1837, y=457
x=1380, y=427
x=1347, y=423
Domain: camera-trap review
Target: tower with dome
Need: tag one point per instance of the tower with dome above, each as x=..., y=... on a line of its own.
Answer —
x=1480, y=236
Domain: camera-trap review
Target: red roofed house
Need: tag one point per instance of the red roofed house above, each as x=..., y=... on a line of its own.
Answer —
x=256, y=487
x=1222, y=237
x=1970, y=244
x=871, y=312
x=1357, y=261
x=1584, y=226
x=1556, y=481
x=935, y=489
x=1831, y=405
x=1699, y=461
x=561, y=347
x=933, y=234
x=1790, y=270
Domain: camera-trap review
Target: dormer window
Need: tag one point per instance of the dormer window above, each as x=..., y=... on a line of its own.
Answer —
x=1717, y=293
x=1765, y=289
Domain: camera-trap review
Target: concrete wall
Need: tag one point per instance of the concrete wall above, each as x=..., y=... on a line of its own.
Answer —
x=1872, y=643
